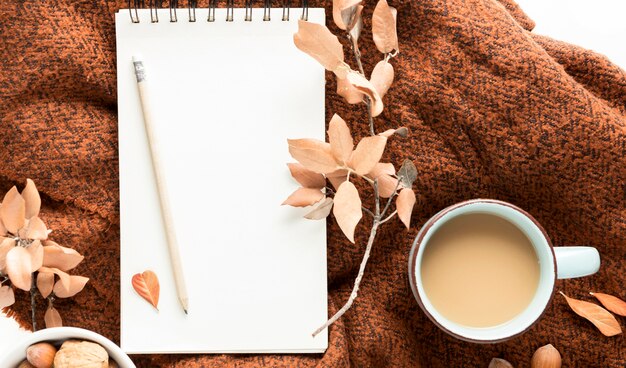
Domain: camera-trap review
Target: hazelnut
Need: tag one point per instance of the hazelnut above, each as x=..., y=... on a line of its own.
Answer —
x=546, y=357
x=41, y=355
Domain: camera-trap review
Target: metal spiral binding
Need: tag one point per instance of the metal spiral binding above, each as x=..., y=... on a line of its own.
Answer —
x=192, y=5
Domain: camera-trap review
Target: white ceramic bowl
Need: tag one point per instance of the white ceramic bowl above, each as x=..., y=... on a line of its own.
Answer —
x=57, y=335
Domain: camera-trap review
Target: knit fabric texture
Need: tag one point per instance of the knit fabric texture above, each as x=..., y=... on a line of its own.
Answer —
x=494, y=111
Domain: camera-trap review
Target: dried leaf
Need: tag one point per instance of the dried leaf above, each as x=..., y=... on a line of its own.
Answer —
x=499, y=363
x=64, y=278
x=600, y=317
x=347, y=209
x=146, y=284
x=306, y=177
x=363, y=85
x=384, y=28
x=35, y=249
x=387, y=185
x=337, y=177
x=77, y=283
x=349, y=92
x=7, y=297
x=45, y=283
x=303, y=197
x=52, y=318
x=382, y=77
x=402, y=132
x=313, y=154
x=32, y=199
x=5, y=246
x=12, y=211
x=340, y=139
x=344, y=12
x=36, y=229
x=404, y=205
x=367, y=154
x=3, y=230
x=612, y=303
x=317, y=41
x=355, y=31
x=321, y=211
x=18, y=266
x=60, y=257
x=407, y=174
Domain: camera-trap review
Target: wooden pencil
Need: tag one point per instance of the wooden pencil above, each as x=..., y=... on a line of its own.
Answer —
x=168, y=223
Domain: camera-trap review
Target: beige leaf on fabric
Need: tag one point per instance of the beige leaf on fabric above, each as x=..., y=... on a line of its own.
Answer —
x=18, y=266
x=32, y=199
x=349, y=92
x=60, y=257
x=340, y=139
x=407, y=173
x=7, y=297
x=5, y=246
x=600, y=317
x=36, y=229
x=394, y=13
x=321, y=211
x=404, y=205
x=35, y=249
x=337, y=177
x=317, y=41
x=306, y=177
x=64, y=278
x=303, y=197
x=52, y=318
x=384, y=28
x=77, y=283
x=347, y=209
x=344, y=12
x=146, y=284
x=45, y=283
x=13, y=211
x=382, y=77
x=313, y=154
x=367, y=154
x=363, y=85
x=387, y=184
x=612, y=303
x=355, y=32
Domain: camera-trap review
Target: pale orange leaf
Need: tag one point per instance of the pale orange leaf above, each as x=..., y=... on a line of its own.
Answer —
x=384, y=28
x=313, y=154
x=52, y=318
x=402, y=132
x=36, y=229
x=382, y=77
x=404, y=205
x=357, y=27
x=64, y=277
x=7, y=297
x=3, y=230
x=45, y=283
x=367, y=154
x=35, y=249
x=306, y=177
x=18, y=267
x=349, y=92
x=317, y=41
x=340, y=139
x=77, y=283
x=146, y=284
x=344, y=12
x=363, y=85
x=347, y=209
x=387, y=185
x=600, y=317
x=322, y=210
x=612, y=303
x=32, y=199
x=5, y=246
x=303, y=197
x=60, y=257
x=337, y=177
x=13, y=211
x=382, y=168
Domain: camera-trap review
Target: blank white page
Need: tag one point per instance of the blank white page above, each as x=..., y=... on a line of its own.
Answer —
x=225, y=97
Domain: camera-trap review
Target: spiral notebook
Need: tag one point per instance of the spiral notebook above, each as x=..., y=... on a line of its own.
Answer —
x=226, y=96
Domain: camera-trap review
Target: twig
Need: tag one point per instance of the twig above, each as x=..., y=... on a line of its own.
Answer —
x=389, y=217
x=367, y=211
x=368, y=101
x=33, y=300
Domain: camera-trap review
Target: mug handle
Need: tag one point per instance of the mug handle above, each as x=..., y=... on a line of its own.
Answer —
x=574, y=262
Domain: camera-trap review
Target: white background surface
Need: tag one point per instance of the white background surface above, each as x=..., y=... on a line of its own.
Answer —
x=594, y=24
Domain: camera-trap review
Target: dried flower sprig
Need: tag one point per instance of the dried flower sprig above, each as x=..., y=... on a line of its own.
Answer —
x=31, y=262
x=337, y=160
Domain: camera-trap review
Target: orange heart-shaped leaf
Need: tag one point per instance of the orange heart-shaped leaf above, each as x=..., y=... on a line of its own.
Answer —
x=146, y=284
x=612, y=303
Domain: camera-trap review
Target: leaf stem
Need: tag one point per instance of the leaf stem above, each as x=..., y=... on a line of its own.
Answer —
x=368, y=101
x=389, y=217
x=33, y=301
x=367, y=211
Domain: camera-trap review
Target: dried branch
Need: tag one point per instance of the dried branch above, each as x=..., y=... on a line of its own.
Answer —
x=368, y=101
